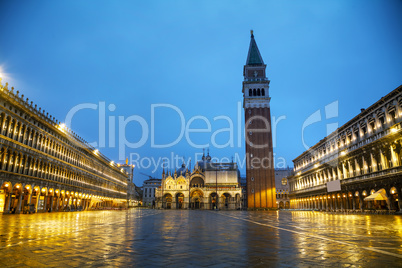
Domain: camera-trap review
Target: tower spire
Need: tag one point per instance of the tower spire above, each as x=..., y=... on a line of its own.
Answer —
x=253, y=56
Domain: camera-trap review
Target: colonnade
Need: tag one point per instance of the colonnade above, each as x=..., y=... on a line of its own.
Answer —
x=350, y=200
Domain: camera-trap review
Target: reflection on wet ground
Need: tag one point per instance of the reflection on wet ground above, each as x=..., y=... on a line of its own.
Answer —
x=141, y=237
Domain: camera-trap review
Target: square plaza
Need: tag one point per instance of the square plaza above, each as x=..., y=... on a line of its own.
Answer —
x=196, y=238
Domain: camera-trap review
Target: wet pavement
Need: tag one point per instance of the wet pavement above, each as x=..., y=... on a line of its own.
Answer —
x=182, y=238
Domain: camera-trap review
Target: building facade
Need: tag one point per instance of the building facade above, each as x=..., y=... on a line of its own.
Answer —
x=46, y=167
x=259, y=150
x=209, y=185
x=361, y=157
x=282, y=187
x=133, y=197
x=148, y=191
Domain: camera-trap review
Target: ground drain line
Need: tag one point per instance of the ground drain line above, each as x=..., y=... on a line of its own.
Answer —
x=319, y=237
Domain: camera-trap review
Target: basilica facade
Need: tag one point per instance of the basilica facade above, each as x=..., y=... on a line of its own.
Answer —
x=209, y=185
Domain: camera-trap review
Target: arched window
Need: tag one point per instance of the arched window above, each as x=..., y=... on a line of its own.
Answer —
x=254, y=92
x=250, y=92
x=262, y=92
x=258, y=92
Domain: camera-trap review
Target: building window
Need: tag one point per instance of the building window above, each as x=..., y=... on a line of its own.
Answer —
x=284, y=181
x=252, y=178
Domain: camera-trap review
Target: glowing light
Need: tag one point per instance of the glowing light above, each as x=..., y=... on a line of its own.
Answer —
x=6, y=185
x=343, y=153
x=111, y=163
x=28, y=187
x=18, y=186
x=62, y=126
x=43, y=189
x=393, y=130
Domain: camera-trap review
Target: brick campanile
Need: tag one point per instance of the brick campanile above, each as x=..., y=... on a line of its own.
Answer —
x=260, y=172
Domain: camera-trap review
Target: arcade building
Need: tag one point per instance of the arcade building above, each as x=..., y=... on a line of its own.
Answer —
x=358, y=166
x=46, y=167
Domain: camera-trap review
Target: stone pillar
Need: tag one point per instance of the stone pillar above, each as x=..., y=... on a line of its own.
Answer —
x=361, y=201
x=398, y=191
x=342, y=199
x=62, y=202
x=58, y=204
x=45, y=203
x=8, y=202
x=20, y=199
x=51, y=203
x=389, y=202
x=37, y=202
x=353, y=202
x=29, y=199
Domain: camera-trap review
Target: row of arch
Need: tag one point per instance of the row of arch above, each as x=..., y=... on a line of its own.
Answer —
x=256, y=92
x=31, y=198
x=350, y=200
x=28, y=135
x=26, y=164
x=377, y=121
x=198, y=200
x=380, y=158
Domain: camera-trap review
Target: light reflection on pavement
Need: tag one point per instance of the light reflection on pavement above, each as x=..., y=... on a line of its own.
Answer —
x=153, y=238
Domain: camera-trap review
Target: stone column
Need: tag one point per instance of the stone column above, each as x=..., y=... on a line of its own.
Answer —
x=58, y=204
x=398, y=191
x=51, y=204
x=20, y=199
x=361, y=202
x=342, y=201
x=37, y=202
x=8, y=202
x=389, y=202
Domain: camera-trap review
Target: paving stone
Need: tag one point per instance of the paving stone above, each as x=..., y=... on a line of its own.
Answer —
x=190, y=238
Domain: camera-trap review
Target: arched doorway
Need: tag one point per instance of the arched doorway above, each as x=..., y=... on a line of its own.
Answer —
x=196, y=200
x=167, y=201
x=281, y=206
x=213, y=201
x=179, y=201
x=5, y=197
x=226, y=200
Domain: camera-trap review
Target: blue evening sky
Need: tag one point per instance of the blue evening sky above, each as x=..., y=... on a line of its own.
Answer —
x=188, y=56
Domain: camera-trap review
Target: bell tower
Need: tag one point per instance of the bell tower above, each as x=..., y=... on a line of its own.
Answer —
x=260, y=172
